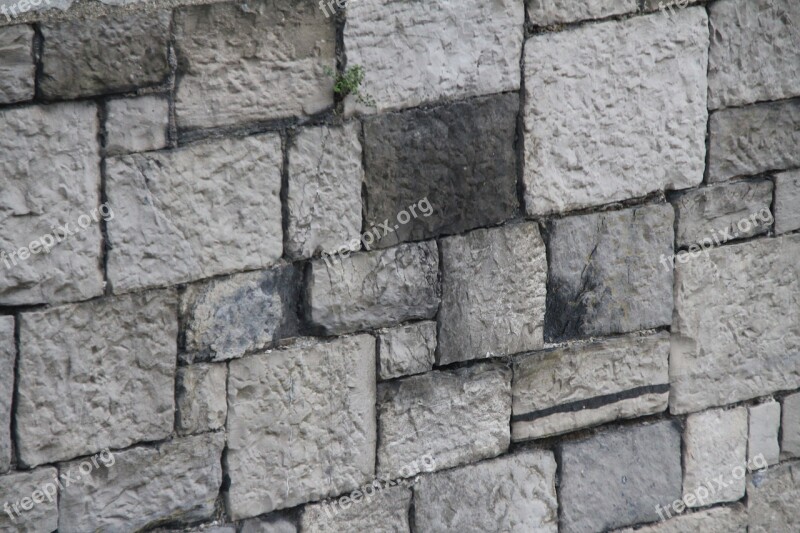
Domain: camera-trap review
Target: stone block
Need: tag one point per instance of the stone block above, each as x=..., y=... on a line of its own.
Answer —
x=385, y=511
x=548, y=12
x=772, y=497
x=790, y=426
x=406, y=350
x=787, y=201
x=765, y=420
x=18, y=70
x=715, y=520
x=201, y=398
x=269, y=524
x=136, y=124
x=17, y=488
x=8, y=356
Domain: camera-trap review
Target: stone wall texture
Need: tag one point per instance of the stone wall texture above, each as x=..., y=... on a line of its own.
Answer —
x=400, y=266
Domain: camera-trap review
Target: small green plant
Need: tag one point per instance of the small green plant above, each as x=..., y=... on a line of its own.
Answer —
x=350, y=83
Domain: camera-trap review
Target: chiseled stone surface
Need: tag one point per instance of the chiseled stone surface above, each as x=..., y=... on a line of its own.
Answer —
x=42, y=517
x=755, y=53
x=374, y=289
x=546, y=12
x=301, y=424
x=605, y=122
x=716, y=520
x=136, y=124
x=202, y=404
x=324, y=190
x=206, y=209
x=617, y=477
x=753, y=287
x=17, y=71
x=772, y=497
x=765, y=420
x=515, y=493
x=50, y=176
x=417, y=52
x=7, y=357
x=458, y=156
x=269, y=524
x=228, y=317
x=605, y=275
x=176, y=480
x=456, y=416
x=493, y=293
x=406, y=350
x=790, y=426
x=787, y=201
x=571, y=387
x=385, y=510
x=96, y=375
x=228, y=53
x=113, y=53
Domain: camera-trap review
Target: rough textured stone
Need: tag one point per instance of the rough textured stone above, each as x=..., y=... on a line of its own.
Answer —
x=709, y=213
x=457, y=416
x=736, y=329
x=406, y=350
x=772, y=497
x=270, y=524
x=754, y=53
x=493, y=293
x=206, y=209
x=418, y=52
x=459, y=156
x=753, y=139
x=228, y=53
x=177, y=480
x=324, y=190
x=765, y=420
x=716, y=520
x=605, y=275
x=229, y=317
x=8, y=354
x=17, y=70
x=546, y=12
x=113, y=53
x=567, y=388
x=375, y=289
x=790, y=426
x=385, y=511
x=96, y=375
x=50, y=176
x=609, y=122
x=301, y=424
x=42, y=517
x=136, y=124
x=617, y=477
x=787, y=201
x=515, y=493
x=202, y=405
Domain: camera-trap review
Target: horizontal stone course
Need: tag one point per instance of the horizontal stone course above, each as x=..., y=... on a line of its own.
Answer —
x=18, y=70
x=8, y=356
x=546, y=12
x=17, y=488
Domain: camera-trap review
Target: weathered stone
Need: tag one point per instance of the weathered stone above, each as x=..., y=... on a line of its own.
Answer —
x=605, y=275
x=456, y=416
x=229, y=317
x=301, y=424
x=17, y=489
x=136, y=124
x=8, y=354
x=18, y=70
x=513, y=493
x=95, y=375
x=375, y=289
x=753, y=139
x=753, y=287
x=269, y=524
x=787, y=201
x=385, y=511
x=113, y=53
x=567, y=388
x=324, y=190
x=202, y=405
x=143, y=486
x=406, y=350
x=421, y=52
x=493, y=293
x=50, y=176
x=715, y=213
x=617, y=477
x=547, y=12
x=228, y=53
x=772, y=497
x=790, y=426
x=206, y=209
x=716, y=520
x=605, y=122
x=458, y=157
x=765, y=420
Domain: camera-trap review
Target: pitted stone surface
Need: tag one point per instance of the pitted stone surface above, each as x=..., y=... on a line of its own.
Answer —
x=609, y=122
x=206, y=209
x=7, y=357
x=406, y=350
x=753, y=287
x=493, y=293
x=790, y=426
x=386, y=510
x=301, y=424
x=765, y=420
x=18, y=69
x=547, y=12
x=269, y=524
x=137, y=124
x=202, y=405
x=772, y=497
x=787, y=201
x=228, y=53
x=716, y=520
x=95, y=375
x=18, y=485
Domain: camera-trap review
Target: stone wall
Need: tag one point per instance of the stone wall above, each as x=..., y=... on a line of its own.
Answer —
x=549, y=281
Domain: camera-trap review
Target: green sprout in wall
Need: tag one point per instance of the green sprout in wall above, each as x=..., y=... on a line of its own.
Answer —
x=350, y=83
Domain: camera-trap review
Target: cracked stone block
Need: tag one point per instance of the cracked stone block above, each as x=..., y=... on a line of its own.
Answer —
x=754, y=54
x=765, y=420
x=753, y=287
x=269, y=524
x=450, y=169
x=228, y=53
x=609, y=272
x=136, y=124
x=324, y=190
x=8, y=354
x=18, y=70
x=18, y=488
x=790, y=427
x=374, y=289
x=548, y=12
x=95, y=375
x=418, y=52
x=515, y=493
x=196, y=212
x=406, y=350
x=750, y=140
x=201, y=398
x=605, y=122
x=228, y=317
x=616, y=478
x=787, y=201
x=716, y=520
x=567, y=388
x=454, y=416
x=493, y=293
x=112, y=53
x=772, y=497
x=144, y=486
x=384, y=510
x=301, y=424
x=43, y=202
